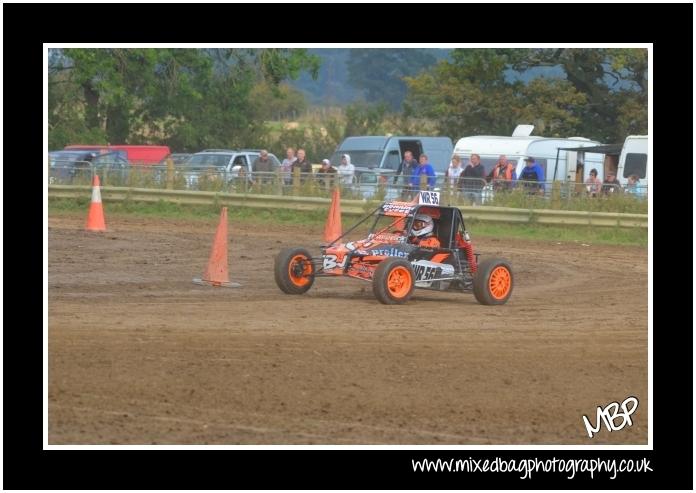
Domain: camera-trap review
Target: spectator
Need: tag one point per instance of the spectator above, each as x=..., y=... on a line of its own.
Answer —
x=346, y=170
x=406, y=167
x=532, y=172
x=455, y=169
x=633, y=184
x=286, y=165
x=423, y=168
x=611, y=184
x=302, y=164
x=422, y=233
x=472, y=179
x=593, y=184
x=326, y=173
x=503, y=174
x=264, y=167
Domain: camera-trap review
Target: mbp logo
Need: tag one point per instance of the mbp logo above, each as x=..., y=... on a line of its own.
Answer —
x=610, y=414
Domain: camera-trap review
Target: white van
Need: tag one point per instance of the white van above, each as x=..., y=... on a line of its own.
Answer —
x=558, y=165
x=634, y=160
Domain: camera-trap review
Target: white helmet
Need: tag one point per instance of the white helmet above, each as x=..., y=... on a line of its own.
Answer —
x=422, y=225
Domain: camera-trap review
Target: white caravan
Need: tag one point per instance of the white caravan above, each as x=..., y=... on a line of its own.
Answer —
x=545, y=150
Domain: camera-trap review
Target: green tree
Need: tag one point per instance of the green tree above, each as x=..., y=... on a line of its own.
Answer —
x=601, y=95
x=613, y=81
x=465, y=96
x=184, y=97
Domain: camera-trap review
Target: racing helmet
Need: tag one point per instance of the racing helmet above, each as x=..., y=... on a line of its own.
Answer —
x=422, y=225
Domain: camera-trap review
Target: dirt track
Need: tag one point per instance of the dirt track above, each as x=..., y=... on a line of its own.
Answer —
x=138, y=354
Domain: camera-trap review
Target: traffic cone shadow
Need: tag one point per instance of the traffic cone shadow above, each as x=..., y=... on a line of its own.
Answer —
x=95, y=218
x=217, y=273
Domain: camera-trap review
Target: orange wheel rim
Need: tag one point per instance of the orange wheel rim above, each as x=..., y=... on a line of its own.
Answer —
x=298, y=270
x=500, y=282
x=399, y=282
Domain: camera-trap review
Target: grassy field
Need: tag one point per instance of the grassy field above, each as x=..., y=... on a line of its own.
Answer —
x=581, y=234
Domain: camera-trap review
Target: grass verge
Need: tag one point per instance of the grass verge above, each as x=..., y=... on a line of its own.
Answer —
x=582, y=234
x=566, y=234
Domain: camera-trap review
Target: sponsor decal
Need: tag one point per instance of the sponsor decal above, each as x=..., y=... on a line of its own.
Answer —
x=425, y=271
x=331, y=262
x=398, y=207
x=388, y=252
x=388, y=238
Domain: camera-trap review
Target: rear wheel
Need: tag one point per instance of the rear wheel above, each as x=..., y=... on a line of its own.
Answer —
x=493, y=282
x=294, y=272
x=393, y=281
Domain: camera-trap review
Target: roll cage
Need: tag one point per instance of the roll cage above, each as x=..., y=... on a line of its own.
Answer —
x=448, y=222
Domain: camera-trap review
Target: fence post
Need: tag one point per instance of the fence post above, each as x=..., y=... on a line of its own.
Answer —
x=170, y=173
x=296, y=181
x=556, y=195
x=279, y=181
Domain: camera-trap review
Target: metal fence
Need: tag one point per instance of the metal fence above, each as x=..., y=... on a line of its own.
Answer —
x=348, y=207
x=366, y=185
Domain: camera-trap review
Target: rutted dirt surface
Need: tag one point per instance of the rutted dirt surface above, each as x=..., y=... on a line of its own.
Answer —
x=138, y=354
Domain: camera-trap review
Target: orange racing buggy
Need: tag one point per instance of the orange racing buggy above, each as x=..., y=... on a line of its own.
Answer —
x=395, y=265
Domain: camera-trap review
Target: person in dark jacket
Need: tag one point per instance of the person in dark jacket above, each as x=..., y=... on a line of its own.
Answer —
x=262, y=168
x=611, y=185
x=327, y=174
x=406, y=169
x=303, y=164
x=532, y=172
x=472, y=179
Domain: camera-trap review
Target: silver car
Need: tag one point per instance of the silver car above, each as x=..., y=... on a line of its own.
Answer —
x=229, y=163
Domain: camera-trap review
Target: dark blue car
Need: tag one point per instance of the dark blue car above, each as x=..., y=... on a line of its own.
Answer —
x=65, y=166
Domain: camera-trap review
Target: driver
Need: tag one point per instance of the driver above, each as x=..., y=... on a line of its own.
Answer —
x=422, y=232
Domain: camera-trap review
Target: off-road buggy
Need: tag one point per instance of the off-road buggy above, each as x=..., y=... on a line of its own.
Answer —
x=394, y=265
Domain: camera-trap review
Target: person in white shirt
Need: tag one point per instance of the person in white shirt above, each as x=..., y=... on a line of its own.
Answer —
x=346, y=171
x=286, y=165
x=455, y=169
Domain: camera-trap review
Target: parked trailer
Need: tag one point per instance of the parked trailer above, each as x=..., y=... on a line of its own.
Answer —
x=557, y=166
x=624, y=160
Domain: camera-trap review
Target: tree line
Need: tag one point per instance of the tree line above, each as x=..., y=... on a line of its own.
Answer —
x=192, y=99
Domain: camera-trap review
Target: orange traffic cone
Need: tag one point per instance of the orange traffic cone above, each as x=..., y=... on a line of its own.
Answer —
x=216, y=274
x=332, y=230
x=95, y=218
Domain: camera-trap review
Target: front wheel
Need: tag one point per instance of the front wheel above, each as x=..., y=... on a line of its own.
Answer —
x=493, y=282
x=393, y=281
x=294, y=272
